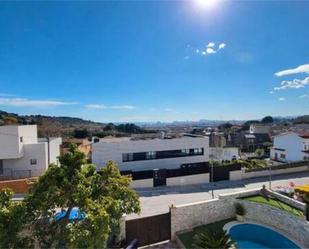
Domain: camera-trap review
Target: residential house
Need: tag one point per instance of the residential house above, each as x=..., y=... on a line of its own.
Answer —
x=23, y=154
x=290, y=146
x=149, y=154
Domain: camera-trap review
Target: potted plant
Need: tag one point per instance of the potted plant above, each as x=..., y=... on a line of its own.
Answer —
x=240, y=211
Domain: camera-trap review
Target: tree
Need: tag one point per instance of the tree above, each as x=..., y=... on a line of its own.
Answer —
x=10, y=120
x=225, y=126
x=80, y=133
x=13, y=220
x=267, y=120
x=259, y=152
x=103, y=197
x=217, y=239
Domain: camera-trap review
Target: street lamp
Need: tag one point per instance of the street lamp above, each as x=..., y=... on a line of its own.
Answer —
x=212, y=175
x=270, y=164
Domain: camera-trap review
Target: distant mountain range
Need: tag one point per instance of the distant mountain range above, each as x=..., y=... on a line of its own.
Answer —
x=53, y=126
x=64, y=126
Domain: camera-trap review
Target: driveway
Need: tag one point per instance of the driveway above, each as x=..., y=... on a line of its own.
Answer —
x=157, y=200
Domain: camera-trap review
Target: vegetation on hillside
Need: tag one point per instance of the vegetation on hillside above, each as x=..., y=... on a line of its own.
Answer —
x=67, y=127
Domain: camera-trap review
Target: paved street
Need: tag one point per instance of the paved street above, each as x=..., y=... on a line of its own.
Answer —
x=157, y=200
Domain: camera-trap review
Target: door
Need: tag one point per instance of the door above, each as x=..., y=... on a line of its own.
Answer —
x=1, y=167
x=149, y=230
x=159, y=177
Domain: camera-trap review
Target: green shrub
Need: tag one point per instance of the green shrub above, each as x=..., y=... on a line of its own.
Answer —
x=239, y=209
x=217, y=239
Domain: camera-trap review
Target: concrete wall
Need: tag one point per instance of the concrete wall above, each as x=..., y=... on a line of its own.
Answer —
x=9, y=142
x=144, y=183
x=293, y=226
x=22, y=167
x=104, y=151
x=187, y=180
x=236, y=175
x=255, y=174
x=54, y=149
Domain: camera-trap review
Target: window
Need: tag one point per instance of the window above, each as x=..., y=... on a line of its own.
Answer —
x=33, y=161
x=305, y=146
x=1, y=167
x=150, y=155
x=282, y=156
x=126, y=157
x=21, y=139
x=164, y=154
x=306, y=158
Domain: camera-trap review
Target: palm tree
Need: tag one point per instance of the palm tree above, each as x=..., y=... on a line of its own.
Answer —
x=218, y=239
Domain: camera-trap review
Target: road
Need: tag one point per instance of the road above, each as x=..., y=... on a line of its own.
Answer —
x=157, y=200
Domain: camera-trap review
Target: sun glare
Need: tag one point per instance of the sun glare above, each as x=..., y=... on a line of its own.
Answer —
x=206, y=3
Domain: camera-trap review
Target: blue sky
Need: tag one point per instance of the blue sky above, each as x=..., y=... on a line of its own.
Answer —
x=147, y=61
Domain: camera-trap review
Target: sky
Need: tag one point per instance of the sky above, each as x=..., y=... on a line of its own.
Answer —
x=134, y=61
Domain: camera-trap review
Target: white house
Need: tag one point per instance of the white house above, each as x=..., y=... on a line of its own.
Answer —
x=290, y=146
x=22, y=154
x=259, y=128
x=139, y=155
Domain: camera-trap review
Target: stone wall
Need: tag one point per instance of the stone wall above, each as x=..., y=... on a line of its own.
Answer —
x=289, y=201
x=295, y=227
x=186, y=217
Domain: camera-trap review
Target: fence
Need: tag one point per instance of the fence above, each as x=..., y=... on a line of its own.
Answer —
x=281, y=166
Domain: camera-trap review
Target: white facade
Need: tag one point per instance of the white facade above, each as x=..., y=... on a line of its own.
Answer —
x=22, y=154
x=289, y=147
x=117, y=149
x=259, y=128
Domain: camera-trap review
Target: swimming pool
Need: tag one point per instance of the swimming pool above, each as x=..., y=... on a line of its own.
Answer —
x=75, y=214
x=248, y=235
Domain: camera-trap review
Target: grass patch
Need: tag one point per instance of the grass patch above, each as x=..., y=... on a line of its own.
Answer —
x=187, y=238
x=275, y=203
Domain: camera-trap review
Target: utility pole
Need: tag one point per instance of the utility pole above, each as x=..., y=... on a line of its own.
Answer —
x=48, y=151
x=270, y=164
x=212, y=175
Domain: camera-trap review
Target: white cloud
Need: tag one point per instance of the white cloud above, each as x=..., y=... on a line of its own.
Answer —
x=271, y=92
x=296, y=84
x=203, y=53
x=300, y=69
x=187, y=57
x=210, y=51
x=169, y=109
x=210, y=45
x=222, y=45
x=281, y=99
x=197, y=51
x=24, y=102
x=128, y=107
x=95, y=106
x=304, y=96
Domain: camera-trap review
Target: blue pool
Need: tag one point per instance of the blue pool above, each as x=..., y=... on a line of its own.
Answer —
x=255, y=236
x=74, y=215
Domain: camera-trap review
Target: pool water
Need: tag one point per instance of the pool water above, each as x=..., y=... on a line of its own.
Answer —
x=74, y=215
x=255, y=236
